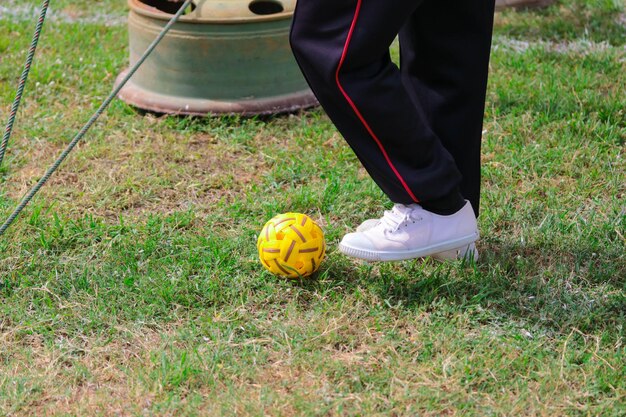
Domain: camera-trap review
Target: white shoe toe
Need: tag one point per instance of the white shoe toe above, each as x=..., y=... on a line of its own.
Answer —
x=357, y=245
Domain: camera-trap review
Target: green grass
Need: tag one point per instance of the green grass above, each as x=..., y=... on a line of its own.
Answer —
x=597, y=20
x=131, y=285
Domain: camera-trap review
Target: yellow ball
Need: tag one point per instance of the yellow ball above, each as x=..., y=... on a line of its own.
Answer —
x=291, y=245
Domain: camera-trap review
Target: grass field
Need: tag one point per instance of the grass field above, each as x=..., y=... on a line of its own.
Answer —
x=131, y=285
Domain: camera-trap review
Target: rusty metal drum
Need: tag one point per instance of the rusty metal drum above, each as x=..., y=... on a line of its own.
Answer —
x=222, y=57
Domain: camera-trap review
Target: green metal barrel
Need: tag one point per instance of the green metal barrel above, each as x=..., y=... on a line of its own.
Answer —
x=223, y=56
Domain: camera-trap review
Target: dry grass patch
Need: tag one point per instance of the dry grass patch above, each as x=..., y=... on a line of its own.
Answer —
x=73, y=376
x=134, y=173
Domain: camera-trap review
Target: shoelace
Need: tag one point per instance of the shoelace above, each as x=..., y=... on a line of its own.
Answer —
x=400, y=214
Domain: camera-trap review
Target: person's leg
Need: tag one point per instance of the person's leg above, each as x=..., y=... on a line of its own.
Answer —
x=445, y=48
x=342, y=47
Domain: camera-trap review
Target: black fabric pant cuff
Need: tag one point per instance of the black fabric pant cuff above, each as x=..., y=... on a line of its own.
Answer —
x=446, y=205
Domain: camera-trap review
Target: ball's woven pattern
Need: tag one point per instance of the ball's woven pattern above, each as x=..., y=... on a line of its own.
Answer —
x=291, y=245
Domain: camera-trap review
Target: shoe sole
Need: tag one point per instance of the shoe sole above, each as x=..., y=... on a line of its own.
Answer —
x=467, y=252
x=459, y=244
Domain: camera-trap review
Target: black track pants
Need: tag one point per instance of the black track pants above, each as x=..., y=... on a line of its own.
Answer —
x=417, y=129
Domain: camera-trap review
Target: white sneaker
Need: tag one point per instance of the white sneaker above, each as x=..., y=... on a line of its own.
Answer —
x=466, y=252
x=408, y=232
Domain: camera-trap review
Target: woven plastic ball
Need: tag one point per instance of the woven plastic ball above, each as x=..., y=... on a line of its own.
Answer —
x=291, y=245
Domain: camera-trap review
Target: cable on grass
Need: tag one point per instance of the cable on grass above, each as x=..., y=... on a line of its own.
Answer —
x=29, y=196
x=22, y=83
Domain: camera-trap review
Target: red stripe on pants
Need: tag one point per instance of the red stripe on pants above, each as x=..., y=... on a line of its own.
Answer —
x=356, y=110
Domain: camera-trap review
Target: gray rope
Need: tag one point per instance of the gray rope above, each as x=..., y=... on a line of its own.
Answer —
x=29, y=196
x=22, y=83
